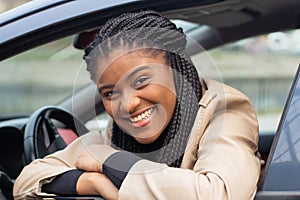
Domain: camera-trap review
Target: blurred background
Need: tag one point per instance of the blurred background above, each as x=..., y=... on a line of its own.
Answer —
x=8, y=4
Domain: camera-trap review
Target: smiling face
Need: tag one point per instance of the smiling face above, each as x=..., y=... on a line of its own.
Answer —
x=138, y=92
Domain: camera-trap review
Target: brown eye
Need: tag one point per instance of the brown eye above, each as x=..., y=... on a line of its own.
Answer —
x=108, y=94
x=111, y=94
x=140, y=82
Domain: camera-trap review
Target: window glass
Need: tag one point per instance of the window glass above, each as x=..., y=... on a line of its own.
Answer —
x=42, y=76
x=263, y=68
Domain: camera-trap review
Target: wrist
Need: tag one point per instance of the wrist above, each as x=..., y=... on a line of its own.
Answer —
x=88, y=184
x=93, y=183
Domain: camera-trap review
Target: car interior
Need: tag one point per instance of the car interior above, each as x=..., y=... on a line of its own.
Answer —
x=212, y=26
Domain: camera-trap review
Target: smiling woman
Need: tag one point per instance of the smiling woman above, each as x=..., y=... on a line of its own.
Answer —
x=134, y=96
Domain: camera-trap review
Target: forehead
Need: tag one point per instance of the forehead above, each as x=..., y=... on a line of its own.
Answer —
x=119, y=64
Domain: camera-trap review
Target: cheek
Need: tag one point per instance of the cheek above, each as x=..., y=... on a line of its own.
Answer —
x=108, y=107
x=169, y=103
x=166, y=97
x=112, y=108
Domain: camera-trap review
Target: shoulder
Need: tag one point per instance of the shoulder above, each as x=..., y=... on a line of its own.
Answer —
x=215, y=88
x=219, y=95
x=224, y=113
x=228, y=110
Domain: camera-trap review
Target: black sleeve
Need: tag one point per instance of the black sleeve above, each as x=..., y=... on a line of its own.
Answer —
x=63, y=184
x=116, y=166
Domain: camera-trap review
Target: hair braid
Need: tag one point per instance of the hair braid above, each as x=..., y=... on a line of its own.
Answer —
x=153, y=33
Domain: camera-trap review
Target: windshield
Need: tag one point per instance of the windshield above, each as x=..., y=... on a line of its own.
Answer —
x=42, y=76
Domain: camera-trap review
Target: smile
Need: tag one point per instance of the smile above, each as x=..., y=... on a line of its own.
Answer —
x=142, y=116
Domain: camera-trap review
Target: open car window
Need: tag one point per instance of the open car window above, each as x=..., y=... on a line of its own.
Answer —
x=251, y=65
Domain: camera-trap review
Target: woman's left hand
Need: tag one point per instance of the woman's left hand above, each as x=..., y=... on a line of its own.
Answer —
x=93, y=157
x=94, y=183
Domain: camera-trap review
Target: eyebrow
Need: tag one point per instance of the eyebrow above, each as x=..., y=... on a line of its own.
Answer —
x=109, y=86
x=138, y=69
x=105, y=87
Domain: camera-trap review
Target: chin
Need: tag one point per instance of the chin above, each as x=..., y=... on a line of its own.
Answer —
x=146, y=140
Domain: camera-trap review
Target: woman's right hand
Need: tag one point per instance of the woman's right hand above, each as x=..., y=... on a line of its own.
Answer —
x=95, y=183
x=93, y=157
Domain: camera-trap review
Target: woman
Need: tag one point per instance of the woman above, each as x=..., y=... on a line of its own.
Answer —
x=172, y=135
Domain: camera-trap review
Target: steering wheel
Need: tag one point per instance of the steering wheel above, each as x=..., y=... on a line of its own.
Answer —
x=41, y=136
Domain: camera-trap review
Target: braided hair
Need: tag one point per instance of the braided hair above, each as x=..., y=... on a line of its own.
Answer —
x=154, y=34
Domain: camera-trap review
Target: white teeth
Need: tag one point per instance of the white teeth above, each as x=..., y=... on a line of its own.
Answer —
x=141, y=116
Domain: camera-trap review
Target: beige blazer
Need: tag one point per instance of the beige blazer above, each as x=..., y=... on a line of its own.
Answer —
x=220, y=161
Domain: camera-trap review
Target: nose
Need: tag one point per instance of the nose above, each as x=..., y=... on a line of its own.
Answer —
x=130, y=103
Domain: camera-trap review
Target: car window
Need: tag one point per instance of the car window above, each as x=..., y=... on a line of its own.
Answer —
x=262, y=67
x=42, y=76
x=285, y=155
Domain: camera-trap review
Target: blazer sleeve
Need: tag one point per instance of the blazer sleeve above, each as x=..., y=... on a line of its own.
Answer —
x=41, y=171
x=227, y=165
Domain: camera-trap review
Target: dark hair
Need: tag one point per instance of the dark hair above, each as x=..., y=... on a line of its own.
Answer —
x=153, y=33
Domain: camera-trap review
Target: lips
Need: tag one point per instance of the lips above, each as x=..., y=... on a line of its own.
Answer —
x=142, y=116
